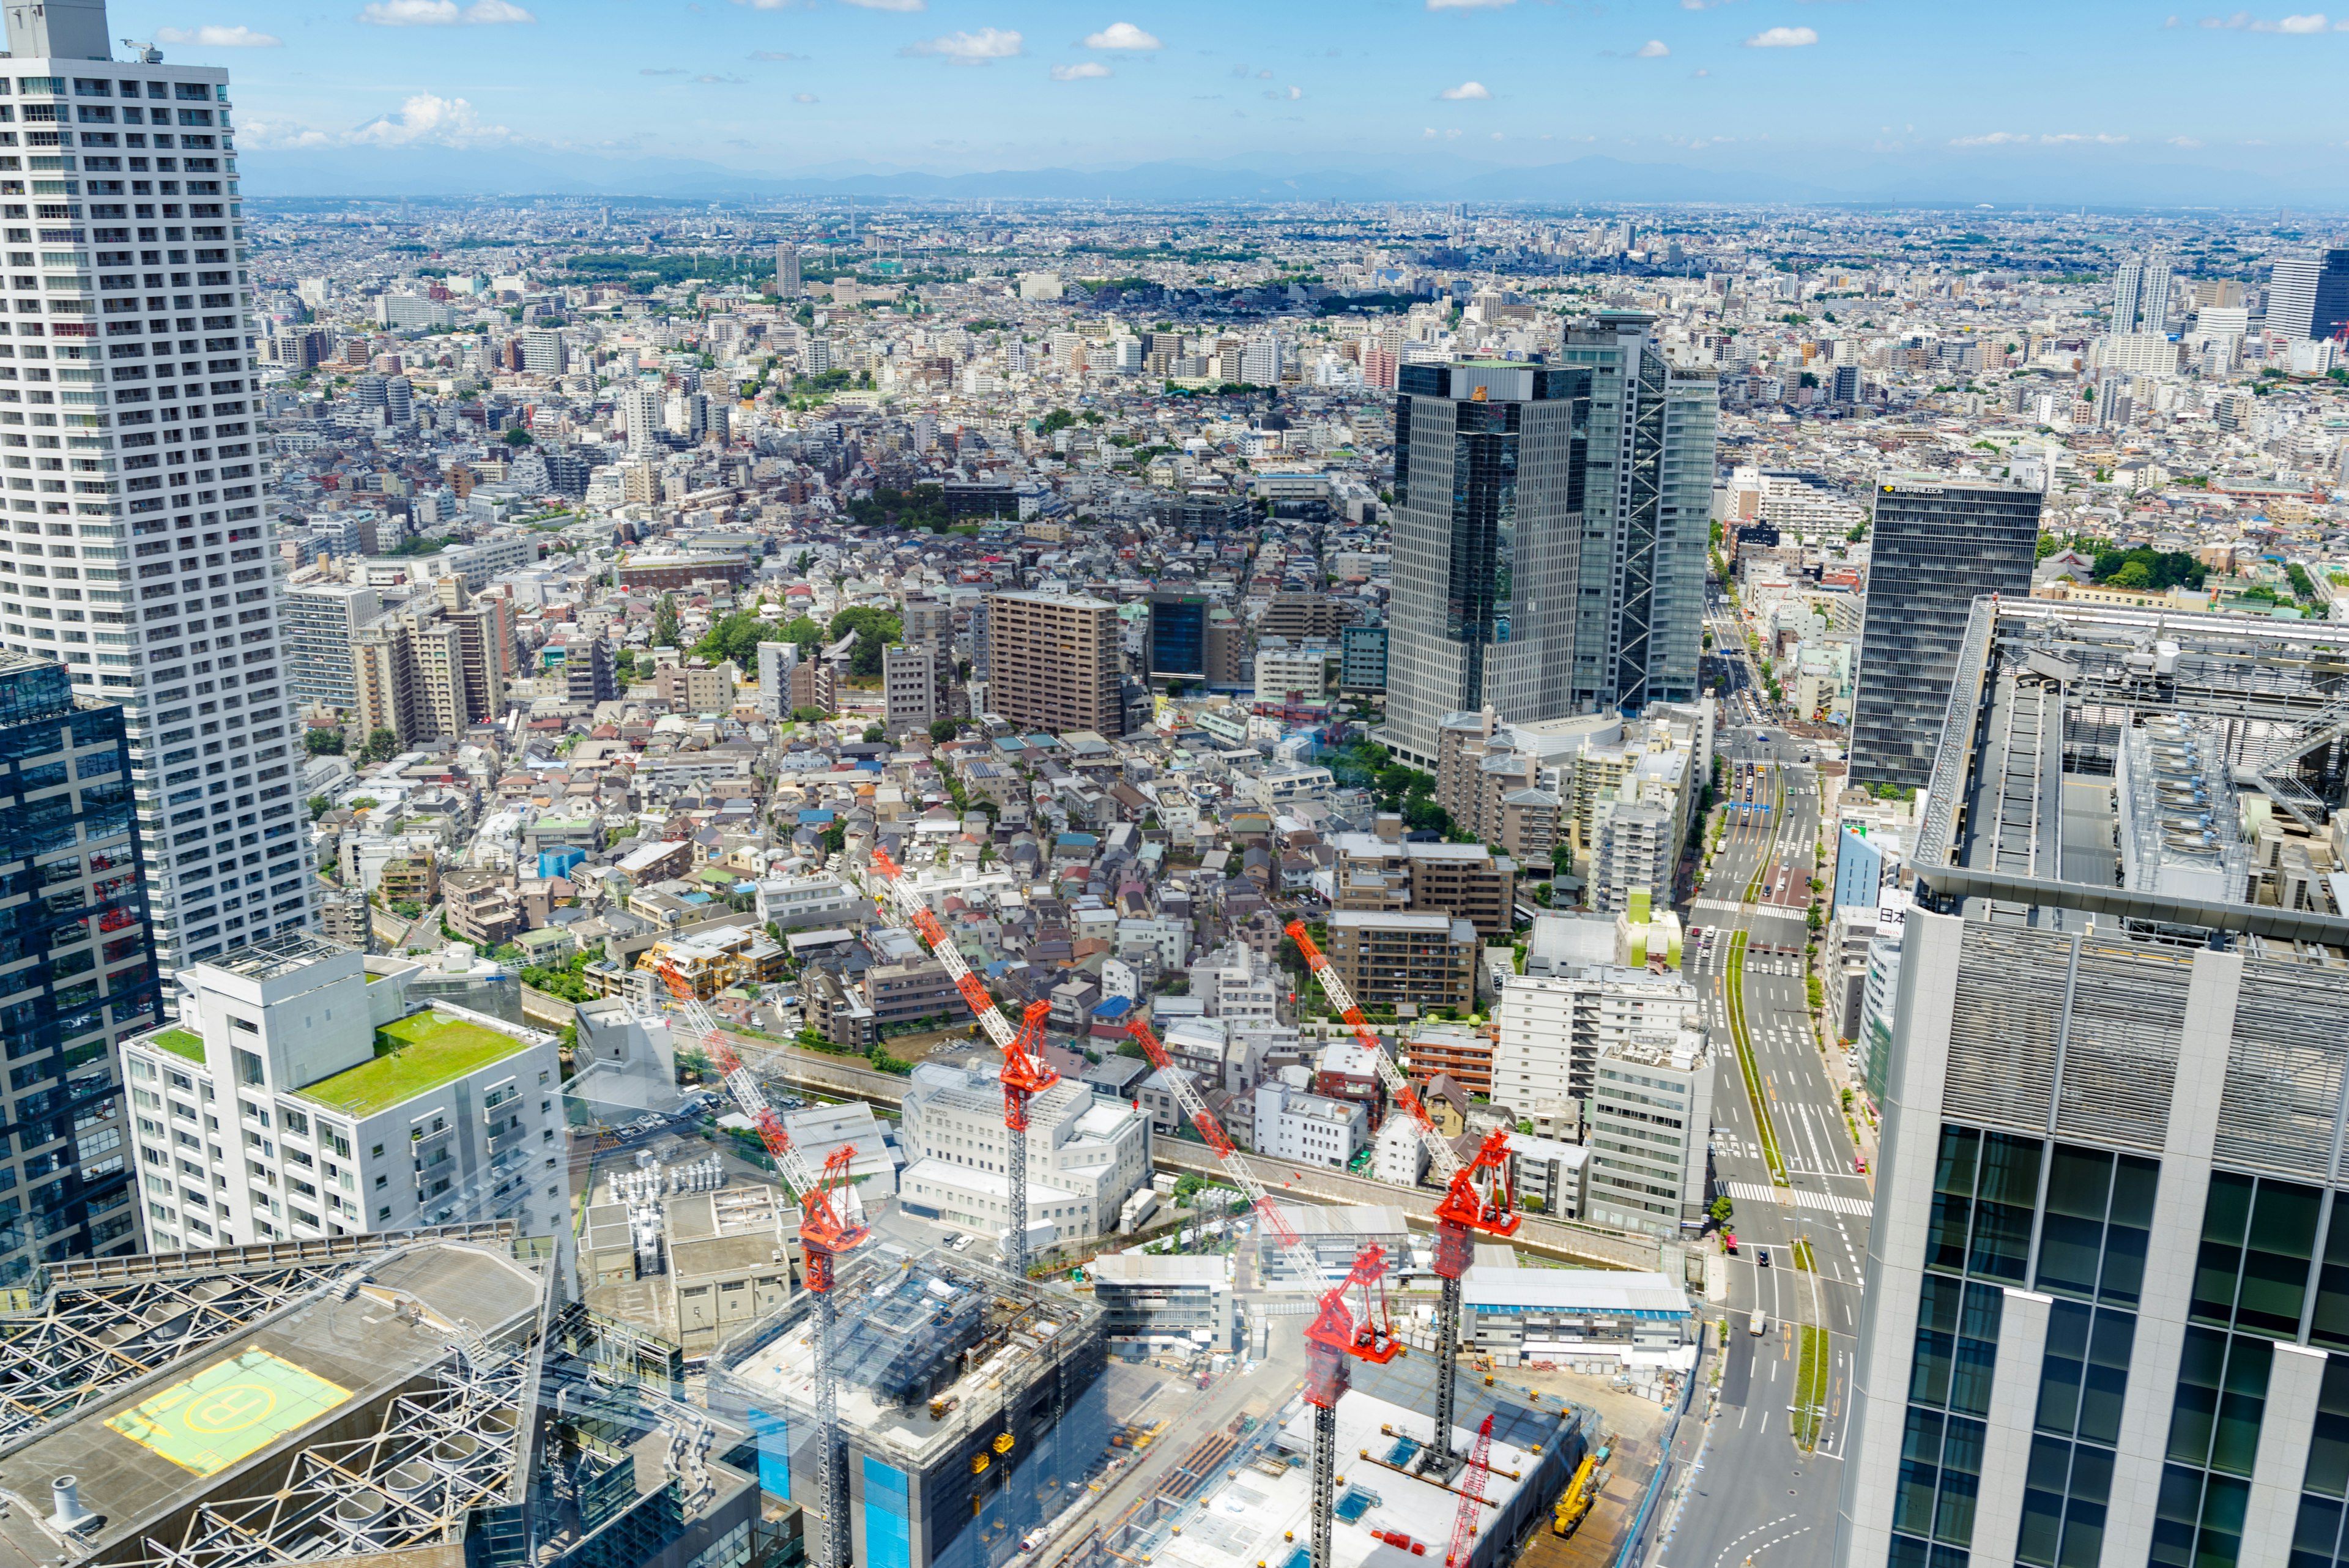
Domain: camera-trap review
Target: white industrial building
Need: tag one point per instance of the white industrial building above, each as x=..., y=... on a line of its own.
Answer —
x=1335, y=1234
x=1311, y=1129
x=1610, y=1316
x=1085, y=1154
x=1167, y=1301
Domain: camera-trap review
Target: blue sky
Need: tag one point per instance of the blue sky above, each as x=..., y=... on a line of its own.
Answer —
x=811, y=86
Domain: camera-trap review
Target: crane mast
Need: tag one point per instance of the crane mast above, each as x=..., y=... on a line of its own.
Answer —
x=831, y=1226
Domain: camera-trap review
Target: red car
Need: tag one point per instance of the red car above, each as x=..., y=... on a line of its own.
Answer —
x=1859, y=1164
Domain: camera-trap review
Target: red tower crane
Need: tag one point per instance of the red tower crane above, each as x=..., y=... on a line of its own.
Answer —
x=1332, y=1345
x=1466, y=1208
x=1465, y=1524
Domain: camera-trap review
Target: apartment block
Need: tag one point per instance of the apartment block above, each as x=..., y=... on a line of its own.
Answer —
x=1406, y=964
x=301, y=1094
x=910, y=687
x=1293, y=1124
x=1381, y=870
x=322, y=617
x=433, y=667
x=1053, y=662
x=1651, y=1122
x=1086, y=1155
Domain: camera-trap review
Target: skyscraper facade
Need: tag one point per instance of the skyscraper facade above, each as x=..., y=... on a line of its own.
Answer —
x=2106, y=1305
x=1639, y=599
x=137, y=481
x=2329, y=313
x=787, y=269
x=1488, y=486
x=2292, y=296
x=78, y=966
x=1936, y=546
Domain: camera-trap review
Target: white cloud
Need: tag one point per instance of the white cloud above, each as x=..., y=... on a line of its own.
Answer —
x=1699, y=71
x=774, y=54
x=891, y=4
x=1085, y=71
x=1467, y=90
x=1468, y=5
x=218, y=38
x=1995, y=139
x=441, y=13
x=1781, y=38
x=2309, y=22
x=1121, y=36
x=273, y=134
x=1653, y=49
x=1702, y=5
x=805, y=97
x=427, y=118
x=2098, y=137
x=969, y=48
x=2184, y=141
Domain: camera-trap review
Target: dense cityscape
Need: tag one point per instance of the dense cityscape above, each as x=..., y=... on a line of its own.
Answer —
x=946, y=881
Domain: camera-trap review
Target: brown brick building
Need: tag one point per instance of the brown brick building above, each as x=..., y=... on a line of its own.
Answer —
x=1053, y=662
x=1397, y=961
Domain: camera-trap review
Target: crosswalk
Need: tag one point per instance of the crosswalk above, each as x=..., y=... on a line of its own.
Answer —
x=1828, y=1202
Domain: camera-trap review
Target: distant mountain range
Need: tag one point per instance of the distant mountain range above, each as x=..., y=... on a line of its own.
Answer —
x=2000, y=178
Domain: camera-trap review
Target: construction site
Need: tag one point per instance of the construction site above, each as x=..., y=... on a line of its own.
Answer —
x=969, y=1410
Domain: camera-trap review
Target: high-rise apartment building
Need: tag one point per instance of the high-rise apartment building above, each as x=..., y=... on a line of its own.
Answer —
x=433, y=667
x=1053, y=662
x=1647, y=508
x=1488, y=487
x=2141, y=296
x=543, y=352
x=131, y=467
x=2292, y=296
x=787, y=269
x=1937, y=543
x=322, y=617
x=300, y=1096
x=79, y=967
x=2106, y=1304
x=1651, y=1122
x=910, y=691
x=641, y=410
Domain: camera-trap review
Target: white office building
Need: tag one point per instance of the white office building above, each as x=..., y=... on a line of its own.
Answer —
x=2292, y=296
x=1650, y=1118
x=776, y=662
x=136, y=547
x=300, y=1095
x=322, y=621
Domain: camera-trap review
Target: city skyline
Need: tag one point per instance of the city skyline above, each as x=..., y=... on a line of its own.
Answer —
x=1394, y=100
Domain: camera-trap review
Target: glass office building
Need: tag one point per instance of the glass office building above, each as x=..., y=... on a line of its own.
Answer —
x=2107, y=1313
x=77, y=968
x=1936, y=546
x=1178, y=637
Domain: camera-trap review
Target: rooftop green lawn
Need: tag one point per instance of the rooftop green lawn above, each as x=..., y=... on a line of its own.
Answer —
x=179, y=1043
x=412, y=1056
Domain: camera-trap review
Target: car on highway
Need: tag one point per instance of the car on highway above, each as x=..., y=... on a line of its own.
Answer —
x=1729, y=1243
x=1758, y=1323
x=1761, y=1257
x=1859, y=1164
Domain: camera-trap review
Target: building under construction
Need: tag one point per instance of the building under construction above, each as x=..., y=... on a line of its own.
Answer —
x=971, y=1406
x=414, y=1399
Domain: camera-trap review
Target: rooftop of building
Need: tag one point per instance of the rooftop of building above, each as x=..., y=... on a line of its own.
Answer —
x=2117, y=767
x=927, y=1346
x=1613, y=1292
x=354, y=1354
x=414, y=1056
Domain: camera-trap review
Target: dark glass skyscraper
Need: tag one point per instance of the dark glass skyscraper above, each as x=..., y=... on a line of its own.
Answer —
x=1178, y=637
x=1488, y=483
x=77, y=968
x=1937, y=544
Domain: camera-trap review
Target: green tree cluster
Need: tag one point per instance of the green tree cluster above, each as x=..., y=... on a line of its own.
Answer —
x=323, y=742
x=736, y=637
x=2146, y=569
x=924, y=506
x=876, y=629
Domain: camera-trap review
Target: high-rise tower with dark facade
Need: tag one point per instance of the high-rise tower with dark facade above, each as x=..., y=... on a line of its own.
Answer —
x=1937, y=544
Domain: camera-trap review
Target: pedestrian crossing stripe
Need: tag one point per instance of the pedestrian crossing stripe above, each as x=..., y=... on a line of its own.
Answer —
x=1833, y=1203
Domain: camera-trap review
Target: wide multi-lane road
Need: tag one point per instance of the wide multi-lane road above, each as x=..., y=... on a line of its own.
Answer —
x=1784, y=1154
